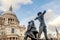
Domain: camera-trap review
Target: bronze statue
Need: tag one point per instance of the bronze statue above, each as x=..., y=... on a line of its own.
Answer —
x=31, y=31
x=42, y=26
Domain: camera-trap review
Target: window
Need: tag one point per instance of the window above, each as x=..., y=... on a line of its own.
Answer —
x=4, y=18
x=13, y=19
x=2, y=33
x=12, y=31
x=10, y=20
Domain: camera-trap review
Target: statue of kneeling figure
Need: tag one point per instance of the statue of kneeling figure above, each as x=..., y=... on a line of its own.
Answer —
x=31, y=31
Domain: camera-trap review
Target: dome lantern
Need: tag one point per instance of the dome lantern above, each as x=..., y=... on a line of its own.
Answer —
x=10, y=9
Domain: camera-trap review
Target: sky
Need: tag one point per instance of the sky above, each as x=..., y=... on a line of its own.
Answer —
x=27, y=10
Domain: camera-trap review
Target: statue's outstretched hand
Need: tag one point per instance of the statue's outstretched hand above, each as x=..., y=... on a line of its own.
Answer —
x=36, y=18
x=44, y=12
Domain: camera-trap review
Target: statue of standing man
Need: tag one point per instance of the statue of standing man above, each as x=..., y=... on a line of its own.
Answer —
x=42, y=26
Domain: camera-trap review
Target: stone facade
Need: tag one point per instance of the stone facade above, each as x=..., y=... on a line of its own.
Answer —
x=9, y=26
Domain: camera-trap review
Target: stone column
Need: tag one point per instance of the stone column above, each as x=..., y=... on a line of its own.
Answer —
x=2, y=39
x=18, y=39
x=15, y=38
x=11, y=38
x=5, y=38
x=8, y=39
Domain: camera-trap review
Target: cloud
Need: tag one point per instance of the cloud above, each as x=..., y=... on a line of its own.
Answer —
x=52, y=24
x=55, y=22
x=52, y=20
x=5, y=4
x=50, y=15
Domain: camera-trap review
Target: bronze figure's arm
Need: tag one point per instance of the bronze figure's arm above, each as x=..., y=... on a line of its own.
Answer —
x=36, y=18
x=44, y=12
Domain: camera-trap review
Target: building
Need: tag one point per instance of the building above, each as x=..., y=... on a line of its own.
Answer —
x=9, y=26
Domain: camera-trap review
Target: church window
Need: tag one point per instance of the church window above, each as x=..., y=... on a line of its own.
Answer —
x=4, y=18
x=12, y=31
x=2, y=33
x=13, y=19
x=9, y=20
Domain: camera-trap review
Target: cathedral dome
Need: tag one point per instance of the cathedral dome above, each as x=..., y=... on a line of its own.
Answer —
x=10, y=15
x=9, y=12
